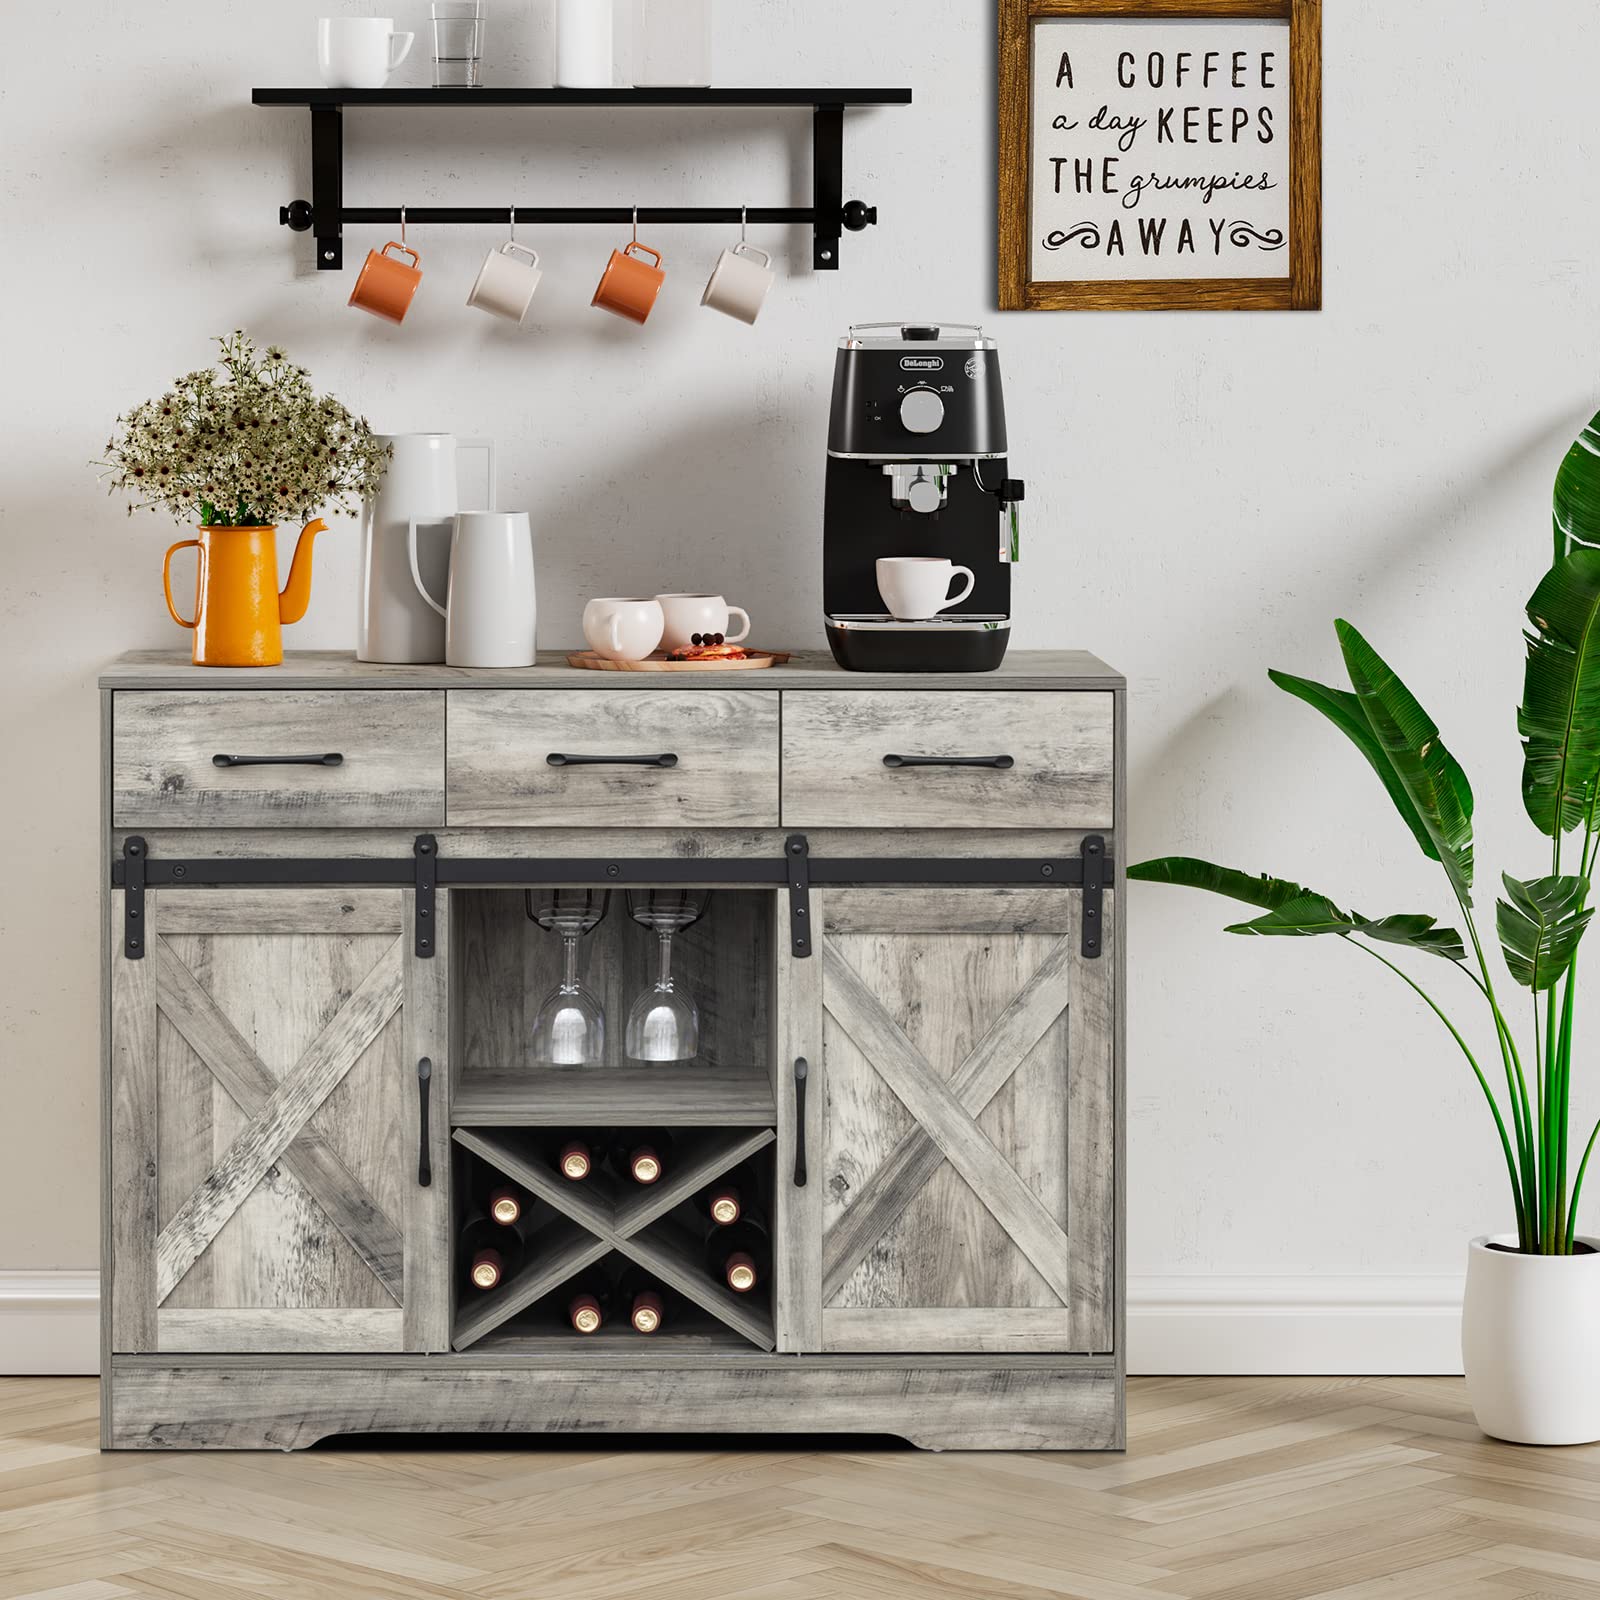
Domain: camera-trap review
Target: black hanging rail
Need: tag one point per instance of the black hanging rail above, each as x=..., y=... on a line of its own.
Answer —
x=325, y=213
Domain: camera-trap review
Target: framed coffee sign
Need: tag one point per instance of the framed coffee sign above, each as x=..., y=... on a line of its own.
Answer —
x=1160, y=155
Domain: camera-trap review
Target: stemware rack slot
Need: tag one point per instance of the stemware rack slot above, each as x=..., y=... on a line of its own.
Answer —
x=829, y=215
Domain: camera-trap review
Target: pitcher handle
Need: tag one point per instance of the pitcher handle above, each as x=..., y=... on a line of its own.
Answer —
x=416, y=571
x=166, y=577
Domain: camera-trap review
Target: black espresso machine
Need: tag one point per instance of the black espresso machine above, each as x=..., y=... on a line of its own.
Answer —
x=917, y=467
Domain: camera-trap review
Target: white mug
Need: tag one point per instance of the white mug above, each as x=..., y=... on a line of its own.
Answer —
x=492, y=611
x=918, y=587
x=506, y=284
x=740, y=282
x=623, y=629
x=689, y=614
x=359, y=52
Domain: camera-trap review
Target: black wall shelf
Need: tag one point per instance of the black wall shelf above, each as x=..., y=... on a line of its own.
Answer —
x=325, y=214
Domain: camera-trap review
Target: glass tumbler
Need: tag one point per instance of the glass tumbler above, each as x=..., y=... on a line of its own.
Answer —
x=458, y=44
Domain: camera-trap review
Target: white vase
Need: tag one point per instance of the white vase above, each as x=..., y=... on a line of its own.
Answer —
x=428, y=480
x=1530, y=1343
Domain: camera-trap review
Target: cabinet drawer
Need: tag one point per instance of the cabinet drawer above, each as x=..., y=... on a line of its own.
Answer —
x=860, y=760
x=613, y=757
x=197, y=759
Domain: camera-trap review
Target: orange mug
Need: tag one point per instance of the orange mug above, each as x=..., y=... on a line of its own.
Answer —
x=385, y=285
x=629, y=285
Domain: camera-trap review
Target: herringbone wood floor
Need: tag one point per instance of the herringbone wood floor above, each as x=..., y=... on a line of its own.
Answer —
x=1239, y=1489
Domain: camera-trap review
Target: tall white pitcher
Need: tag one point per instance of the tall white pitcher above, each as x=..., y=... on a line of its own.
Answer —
x=430, y=477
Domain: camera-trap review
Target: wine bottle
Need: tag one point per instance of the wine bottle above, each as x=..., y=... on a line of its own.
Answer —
x=644, y=1300
x=641, y=1155
x=570, y=1155
x=492, y=1250
x=508, y=1205
x=726, y=1200
x=589, y=1301
x=739, y=1254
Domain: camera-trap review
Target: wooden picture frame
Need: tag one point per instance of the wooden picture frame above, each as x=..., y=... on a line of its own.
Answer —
x=1021, y=290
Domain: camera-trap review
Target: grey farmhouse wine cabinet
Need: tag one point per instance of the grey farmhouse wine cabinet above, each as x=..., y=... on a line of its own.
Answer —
x=321, y=980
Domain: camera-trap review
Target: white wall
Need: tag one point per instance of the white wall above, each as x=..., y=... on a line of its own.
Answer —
x=1205, y=494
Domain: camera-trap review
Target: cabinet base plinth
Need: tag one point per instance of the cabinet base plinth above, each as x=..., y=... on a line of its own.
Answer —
x=267, y=1403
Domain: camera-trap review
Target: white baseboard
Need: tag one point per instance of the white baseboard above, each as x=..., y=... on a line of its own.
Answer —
x=1201, y=1325
x=1333, y=1325
x=49, y=1323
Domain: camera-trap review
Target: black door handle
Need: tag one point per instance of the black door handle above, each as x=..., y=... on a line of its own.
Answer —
x=332, y=759
x=802, y=1071
x=555, y=759
x=424, y=1162
x=999, y=763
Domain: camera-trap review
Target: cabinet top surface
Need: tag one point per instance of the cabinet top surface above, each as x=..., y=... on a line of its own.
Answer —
x=338, y=669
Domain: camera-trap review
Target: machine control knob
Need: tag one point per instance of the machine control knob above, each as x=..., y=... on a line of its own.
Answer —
x=922, y=411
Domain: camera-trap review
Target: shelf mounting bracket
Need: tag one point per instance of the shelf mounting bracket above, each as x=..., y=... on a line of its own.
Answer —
x=827, y=185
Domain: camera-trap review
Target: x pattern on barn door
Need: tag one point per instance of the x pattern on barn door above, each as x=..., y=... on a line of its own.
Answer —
x=266, y=1190
x=951, y=1219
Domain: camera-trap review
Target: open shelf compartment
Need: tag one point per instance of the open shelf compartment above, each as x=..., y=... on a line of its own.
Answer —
x=508, y=966
x=598, y=1219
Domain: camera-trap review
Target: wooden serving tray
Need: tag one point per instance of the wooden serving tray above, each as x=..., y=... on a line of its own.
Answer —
x=757, y=662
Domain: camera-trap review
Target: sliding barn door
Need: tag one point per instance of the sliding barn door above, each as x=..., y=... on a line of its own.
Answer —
x=959, y=1115
x=266, y=1125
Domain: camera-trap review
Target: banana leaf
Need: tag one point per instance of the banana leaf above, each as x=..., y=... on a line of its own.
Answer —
x=1577, y=499
x=1540, y=926
x=1430, y=775
x=1295, y=912
x=1343, y=710
x=1188, y=873
x=1559, y=718
x=1314, y=914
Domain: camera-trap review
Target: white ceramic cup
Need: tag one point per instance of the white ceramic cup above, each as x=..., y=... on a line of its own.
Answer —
x=740, y=282
x=507, y=282
x=359, y=52
x=689, y=614
x=918, y=587
x=623, y=629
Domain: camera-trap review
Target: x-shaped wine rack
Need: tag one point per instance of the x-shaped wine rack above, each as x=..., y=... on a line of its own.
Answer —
x=598, y=1220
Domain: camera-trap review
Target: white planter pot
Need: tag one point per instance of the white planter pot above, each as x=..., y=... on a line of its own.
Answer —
x=1530, y=1342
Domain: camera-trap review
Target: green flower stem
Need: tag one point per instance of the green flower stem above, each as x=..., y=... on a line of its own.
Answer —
x=1477, y=1072
x=1577, y=1190
x=1516, y=1082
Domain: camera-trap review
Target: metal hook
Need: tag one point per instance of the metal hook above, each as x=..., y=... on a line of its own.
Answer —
x=636, y=224
x=513, y=224
x=402, y=227
x=744, y=223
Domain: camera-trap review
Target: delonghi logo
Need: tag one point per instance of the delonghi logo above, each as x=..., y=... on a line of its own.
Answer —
x=922, y=363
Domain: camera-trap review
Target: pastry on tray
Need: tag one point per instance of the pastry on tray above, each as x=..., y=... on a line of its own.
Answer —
x=709, y=647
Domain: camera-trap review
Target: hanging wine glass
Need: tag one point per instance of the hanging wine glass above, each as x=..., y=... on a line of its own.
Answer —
x=570, y=1030
x=663, y=1023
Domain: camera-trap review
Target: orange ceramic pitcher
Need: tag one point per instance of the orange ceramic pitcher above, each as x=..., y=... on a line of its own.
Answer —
x=238, y=610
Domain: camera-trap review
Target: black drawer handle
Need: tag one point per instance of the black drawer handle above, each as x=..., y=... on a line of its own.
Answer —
x=558, y=760
x=424, y=1163
x=801, y=1072
x=999, y=763
x=332, y=759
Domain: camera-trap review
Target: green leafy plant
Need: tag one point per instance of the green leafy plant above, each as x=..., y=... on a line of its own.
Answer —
x=243, y=444
x=1541, y=921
